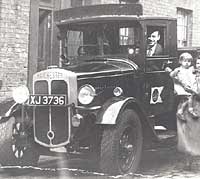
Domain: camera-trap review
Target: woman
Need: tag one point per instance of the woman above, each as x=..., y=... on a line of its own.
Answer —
x=188, y=128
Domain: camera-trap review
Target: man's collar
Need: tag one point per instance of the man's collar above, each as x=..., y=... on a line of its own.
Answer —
x=153, y=48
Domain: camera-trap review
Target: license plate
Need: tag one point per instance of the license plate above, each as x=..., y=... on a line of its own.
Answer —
x=47, y=100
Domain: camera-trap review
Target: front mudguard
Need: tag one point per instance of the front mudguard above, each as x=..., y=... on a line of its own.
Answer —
x=109, y=114
x=111, y=110
x=14, y=109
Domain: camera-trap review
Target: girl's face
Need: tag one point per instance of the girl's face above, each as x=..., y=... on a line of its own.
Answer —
x=198, y=63
x=185, y=63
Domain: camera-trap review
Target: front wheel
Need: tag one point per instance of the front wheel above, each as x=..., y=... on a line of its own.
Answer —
x=121, y=145
x=15, y=150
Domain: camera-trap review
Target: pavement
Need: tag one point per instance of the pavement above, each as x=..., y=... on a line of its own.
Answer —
x=160, y=161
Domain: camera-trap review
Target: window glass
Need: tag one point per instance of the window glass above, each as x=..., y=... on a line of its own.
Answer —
x=155, y=41
x=184, y=20
x=73, y=40
x=100, y=39
x=126, y=36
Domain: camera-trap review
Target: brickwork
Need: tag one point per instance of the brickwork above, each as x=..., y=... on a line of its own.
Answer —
x=169, y=8
x=109, y=1
x=14, y=33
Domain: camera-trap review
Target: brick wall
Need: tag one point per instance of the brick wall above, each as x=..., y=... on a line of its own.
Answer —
x=109, y=1
x=169, y=8
x=14, y=32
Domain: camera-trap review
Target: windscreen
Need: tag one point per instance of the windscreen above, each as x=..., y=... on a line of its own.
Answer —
x=95, y=39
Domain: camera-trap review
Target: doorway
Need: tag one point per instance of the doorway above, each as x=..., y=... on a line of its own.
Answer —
x=44, y=39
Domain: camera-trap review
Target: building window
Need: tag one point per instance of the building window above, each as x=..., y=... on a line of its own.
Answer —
x=184, y=27
x=76, y=3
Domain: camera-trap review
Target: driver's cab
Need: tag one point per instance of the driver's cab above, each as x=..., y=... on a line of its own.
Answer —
x=129, y=38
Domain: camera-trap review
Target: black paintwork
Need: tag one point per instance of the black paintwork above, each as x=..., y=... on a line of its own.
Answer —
x=103, y=66
x=72, y=14
x=106, y=73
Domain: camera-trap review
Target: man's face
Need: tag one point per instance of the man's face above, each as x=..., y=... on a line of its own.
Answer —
x=153, y=39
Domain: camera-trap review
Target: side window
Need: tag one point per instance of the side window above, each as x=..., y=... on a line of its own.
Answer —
x=155, y=41
x=156, y=48
x=129, y=38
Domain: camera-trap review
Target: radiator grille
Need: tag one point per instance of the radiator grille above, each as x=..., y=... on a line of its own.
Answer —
x=51, y=118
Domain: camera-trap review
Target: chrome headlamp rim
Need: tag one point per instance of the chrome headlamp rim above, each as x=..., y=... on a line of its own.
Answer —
x=87, y=96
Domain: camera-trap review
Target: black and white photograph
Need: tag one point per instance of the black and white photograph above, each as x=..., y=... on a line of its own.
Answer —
x=99, y=89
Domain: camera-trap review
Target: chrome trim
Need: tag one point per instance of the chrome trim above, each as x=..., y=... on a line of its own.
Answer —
x=134, y=66
x=126, y=61
x=91, y=87
x=103, y=75
x=88, y=108
x=71, y=79
x=50, y=119
x=89, y=73
x=50, y=125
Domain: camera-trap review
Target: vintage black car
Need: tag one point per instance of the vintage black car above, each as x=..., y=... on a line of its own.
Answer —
x=104, y=97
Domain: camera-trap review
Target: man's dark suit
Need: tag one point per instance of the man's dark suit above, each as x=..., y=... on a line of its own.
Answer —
x=158, y=50
x=155, y=65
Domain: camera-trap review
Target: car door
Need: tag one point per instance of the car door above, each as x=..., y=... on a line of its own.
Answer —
x=159, y=88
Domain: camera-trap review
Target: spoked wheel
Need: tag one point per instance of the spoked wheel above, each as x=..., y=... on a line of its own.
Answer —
x=127, y=150
x=17, y=147
x=121, y=145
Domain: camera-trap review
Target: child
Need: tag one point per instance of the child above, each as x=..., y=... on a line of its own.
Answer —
x=197, y=75
x=184, y=83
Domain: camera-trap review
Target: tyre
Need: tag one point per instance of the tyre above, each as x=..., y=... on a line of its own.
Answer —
x=121, y=145
x=13, y=151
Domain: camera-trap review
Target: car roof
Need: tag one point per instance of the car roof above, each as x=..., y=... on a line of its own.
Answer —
x=98, y=12
x=103, y=13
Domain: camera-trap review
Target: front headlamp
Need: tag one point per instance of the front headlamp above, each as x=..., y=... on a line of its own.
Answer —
x=20, y=94
x=86, y=94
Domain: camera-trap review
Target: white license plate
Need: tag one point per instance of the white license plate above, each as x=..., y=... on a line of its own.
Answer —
x=47, y=100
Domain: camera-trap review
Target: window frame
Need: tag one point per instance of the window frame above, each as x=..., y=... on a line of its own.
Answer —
x=184, y=19
x=163, y=41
